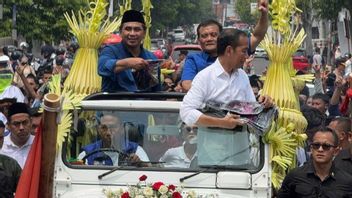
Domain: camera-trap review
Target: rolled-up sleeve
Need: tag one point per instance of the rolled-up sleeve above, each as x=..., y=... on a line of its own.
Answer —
x=107, y=61
x=193, y=101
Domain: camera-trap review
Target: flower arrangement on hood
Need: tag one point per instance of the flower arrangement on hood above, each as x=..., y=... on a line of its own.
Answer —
x=149, y=190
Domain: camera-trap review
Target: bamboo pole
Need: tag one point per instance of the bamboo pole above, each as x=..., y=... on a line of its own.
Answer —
x=52, y=101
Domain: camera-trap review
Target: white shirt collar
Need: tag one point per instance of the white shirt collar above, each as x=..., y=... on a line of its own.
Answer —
x=9, y=142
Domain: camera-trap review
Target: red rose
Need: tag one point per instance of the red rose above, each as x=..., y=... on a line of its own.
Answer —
x=157, y=185
x=172, y=187
x=125, y=195
x=176, y=195
x=142, y=178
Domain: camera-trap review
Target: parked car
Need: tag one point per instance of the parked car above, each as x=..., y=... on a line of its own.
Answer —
x=190, y=48
x=179, y=35
x=300, y=60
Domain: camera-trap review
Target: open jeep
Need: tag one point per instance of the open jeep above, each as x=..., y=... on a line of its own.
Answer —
x=227, y=163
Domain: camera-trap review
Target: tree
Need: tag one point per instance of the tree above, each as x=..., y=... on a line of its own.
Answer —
x=173, y=13
x=243, y=8
x=307, y=19
x=36, y=19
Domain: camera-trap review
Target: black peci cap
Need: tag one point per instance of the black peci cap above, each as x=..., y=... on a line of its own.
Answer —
x=16, y=108
x=132, y=16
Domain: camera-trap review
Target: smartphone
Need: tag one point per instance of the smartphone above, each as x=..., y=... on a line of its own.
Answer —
x=150, y=61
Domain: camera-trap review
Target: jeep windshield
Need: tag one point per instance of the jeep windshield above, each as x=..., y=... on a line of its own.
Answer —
x=109, y=133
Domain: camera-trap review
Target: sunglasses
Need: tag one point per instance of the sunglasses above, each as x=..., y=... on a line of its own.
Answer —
x=325, y=146
x=189, y=129
x=24, y=63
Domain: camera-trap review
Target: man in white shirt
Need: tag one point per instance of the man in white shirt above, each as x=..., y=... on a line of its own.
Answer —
x=19, y=142
x=317, y=59
x=222, y=82
x=182, y=156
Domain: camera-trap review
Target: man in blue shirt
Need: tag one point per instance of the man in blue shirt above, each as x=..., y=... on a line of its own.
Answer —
x=125, y=66
x=208, y=32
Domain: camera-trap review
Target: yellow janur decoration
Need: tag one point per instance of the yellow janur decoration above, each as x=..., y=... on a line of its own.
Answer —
x=91, y=29
x=147, y=6
x=288, y=132
x=70, y=101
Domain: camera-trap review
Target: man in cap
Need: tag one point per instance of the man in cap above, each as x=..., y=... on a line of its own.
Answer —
x=19, y=142
x=6, y=73
x=119, y=64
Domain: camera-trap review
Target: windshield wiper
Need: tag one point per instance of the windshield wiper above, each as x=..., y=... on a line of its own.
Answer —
x=119, y=167
x=218, y=166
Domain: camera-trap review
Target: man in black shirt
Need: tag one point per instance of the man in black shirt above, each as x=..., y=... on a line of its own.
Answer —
x=319, y=177
x=344, y=160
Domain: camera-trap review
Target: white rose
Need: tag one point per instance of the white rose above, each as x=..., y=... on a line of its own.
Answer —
x=191, y=194
x=163, y=189
x=148, y=191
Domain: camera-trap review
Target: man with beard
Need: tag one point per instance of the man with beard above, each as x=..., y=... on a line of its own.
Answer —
x=319, y=177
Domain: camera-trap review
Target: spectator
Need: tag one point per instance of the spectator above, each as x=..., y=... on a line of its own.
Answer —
x=344, y=159
x=319, y=177
x=315, y=119
x=337, y=52
x=322, y=102
x=121, y=65
x=179, y=65
x=6, y=74
x=317, y=59
x=342, y=127
x=30, y=86
x=168, y=85
x=10, y=172
x=208, y=32
x=36, y=116
x=59, y=68
x=255, y=84
x=303, y=96
x=18, y=143
x=340, y=67
x=348, y=64
x=46, y=76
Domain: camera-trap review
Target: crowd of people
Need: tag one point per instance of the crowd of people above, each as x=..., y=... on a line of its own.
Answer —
x=23, y=84
x=214, y=74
